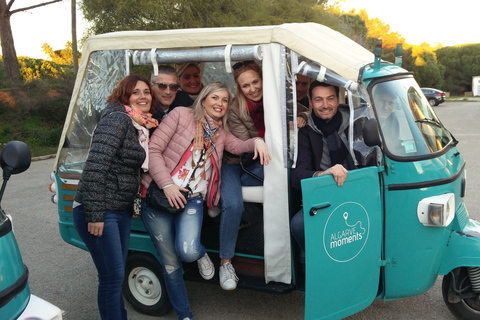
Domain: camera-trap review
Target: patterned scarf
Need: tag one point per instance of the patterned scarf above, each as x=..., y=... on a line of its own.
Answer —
x=206, y=134
x=255, y=109
x=142, y=118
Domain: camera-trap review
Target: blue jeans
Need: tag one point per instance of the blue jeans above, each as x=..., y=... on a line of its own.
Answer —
x=297, y=227
x=109, y=253
x=233, y=178
x=177, y=240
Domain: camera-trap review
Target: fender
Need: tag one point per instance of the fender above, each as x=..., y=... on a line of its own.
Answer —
x=463, y=248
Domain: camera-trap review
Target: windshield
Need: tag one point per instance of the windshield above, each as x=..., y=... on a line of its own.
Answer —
x=407, y=122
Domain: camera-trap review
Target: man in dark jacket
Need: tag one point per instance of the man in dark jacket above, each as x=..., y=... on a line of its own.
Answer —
x=165, y=87
x=322, y=145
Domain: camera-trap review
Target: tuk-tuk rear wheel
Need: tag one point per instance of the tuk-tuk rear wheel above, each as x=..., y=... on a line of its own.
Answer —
x=144, y=286
x=454, y=285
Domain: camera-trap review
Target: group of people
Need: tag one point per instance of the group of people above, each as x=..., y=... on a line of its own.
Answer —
x=185, y=136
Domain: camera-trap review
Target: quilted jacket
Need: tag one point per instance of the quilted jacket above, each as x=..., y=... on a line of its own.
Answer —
x=110, y=177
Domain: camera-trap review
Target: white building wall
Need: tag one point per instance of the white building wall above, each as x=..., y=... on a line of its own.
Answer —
x=476, y=86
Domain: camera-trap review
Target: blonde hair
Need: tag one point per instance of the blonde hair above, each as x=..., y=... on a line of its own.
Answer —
x=199, y=110
x=240, y=101
x=181, y=67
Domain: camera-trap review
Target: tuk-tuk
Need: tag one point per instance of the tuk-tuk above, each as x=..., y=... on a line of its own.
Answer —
x=16, y=302
x=397, y=223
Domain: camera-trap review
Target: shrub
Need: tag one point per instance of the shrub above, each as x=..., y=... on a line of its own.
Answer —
x=35, y=69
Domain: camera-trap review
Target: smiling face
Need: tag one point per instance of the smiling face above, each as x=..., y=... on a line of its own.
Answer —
x=324, y=102
x=165, y=96
x=141, y=97
x=190, y=80
x=251, y=85
x=385, y=104
x=216, y=104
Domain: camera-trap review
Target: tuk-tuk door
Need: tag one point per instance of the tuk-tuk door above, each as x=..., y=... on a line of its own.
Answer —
x=343, y=240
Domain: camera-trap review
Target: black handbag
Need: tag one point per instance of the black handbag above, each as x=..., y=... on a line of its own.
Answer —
x=246, y=160
x=156, y=198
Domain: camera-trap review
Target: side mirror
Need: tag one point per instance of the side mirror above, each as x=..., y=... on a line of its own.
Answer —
x=371, y=136
x=15, y=158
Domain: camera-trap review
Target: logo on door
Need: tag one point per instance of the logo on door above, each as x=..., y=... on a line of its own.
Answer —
x=346, y=231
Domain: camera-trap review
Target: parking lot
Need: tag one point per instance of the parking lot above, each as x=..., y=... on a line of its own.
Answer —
x=65, y=275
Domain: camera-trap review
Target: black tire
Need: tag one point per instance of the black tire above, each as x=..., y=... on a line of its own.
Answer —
x=144, y=286
x=468, y=308
x=433, y=102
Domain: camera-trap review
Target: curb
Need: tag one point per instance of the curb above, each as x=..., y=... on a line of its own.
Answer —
x=48, y=156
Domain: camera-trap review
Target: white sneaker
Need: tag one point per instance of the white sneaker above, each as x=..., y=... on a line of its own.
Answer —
x=206, y=267
x=228, y=278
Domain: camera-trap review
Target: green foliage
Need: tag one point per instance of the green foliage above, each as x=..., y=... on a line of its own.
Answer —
x=355, y=28
x=423, y=63
x=109, y=15
x=461, y=64
x=61, y=57
x=35, y=69
x=37, y=115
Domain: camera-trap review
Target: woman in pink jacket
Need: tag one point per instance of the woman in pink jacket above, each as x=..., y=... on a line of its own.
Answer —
x=186, y=151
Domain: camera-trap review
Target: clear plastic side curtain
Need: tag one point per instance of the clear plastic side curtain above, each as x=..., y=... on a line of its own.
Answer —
x=276, y=184
x=102, y=74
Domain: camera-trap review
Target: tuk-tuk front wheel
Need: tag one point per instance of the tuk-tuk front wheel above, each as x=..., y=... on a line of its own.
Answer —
x=459, y=295
x=144, y=286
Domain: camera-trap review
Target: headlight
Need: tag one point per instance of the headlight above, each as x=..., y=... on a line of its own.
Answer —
x=53, y=188
x=437, y=211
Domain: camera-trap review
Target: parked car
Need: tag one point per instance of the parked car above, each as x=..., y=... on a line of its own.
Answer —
x=434, y=96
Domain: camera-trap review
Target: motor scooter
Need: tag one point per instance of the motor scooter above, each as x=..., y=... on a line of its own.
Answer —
x=16, y=302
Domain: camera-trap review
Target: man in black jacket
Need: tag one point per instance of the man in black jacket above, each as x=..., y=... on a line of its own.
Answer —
x=322, y=145
x=165, y=87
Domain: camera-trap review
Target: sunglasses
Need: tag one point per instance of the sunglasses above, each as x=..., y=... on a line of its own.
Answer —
x=242, y=63
x=164, y=86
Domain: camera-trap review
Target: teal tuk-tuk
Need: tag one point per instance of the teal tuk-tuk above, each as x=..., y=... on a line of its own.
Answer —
x=16, y=301
x=397, y=223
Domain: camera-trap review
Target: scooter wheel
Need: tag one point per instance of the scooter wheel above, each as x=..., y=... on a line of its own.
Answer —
x=458, y=295
x=144, y=286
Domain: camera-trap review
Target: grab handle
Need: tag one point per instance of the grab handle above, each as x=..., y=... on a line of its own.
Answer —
x=313, y=210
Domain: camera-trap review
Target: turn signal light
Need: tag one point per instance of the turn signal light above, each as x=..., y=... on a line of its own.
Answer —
x=437, y=211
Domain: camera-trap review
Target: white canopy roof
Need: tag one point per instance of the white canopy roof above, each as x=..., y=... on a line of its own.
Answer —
x=313, y=41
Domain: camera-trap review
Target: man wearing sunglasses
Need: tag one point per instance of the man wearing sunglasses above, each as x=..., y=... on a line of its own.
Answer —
x=165, y=87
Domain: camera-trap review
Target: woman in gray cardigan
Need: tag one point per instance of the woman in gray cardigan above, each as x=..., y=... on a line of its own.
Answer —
x=109, y=183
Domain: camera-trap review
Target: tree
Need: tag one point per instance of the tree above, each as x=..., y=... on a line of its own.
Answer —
x=12, y=68
x=461, y=63
x=74, y=37
x=115, y=15
x=61, y=57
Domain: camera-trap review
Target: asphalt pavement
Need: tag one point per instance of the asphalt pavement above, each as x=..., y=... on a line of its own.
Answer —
x=65, y=275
